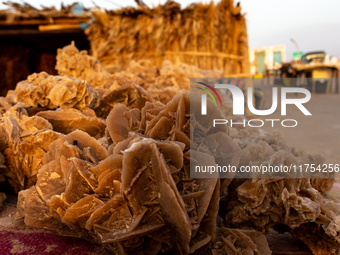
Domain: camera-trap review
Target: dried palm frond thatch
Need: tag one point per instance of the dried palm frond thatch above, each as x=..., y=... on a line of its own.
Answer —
x=18, y=12
x=209, y=36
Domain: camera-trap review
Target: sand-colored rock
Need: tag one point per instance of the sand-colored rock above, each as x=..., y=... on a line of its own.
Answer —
x=52, y=92
x=67, y=120
x=27, y=139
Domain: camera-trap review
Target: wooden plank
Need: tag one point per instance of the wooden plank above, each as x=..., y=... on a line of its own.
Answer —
x=25, y=22
x=70, y=20
x=17, y=32
x=14, y=33
x=57, y=27
x=44, y=22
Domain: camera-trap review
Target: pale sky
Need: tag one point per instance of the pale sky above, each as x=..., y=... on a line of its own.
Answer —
x=314, y=24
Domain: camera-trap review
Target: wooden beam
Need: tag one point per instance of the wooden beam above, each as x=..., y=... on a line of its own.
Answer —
x=57, y=27
x=24, y=22
x=44, y=21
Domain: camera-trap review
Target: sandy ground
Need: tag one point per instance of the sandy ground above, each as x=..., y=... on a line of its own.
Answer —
x=317, y=133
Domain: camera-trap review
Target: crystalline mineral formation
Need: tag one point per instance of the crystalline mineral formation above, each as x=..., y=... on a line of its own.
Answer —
x=2, y=178
x=128, y=188
x=25, y=142
x=322, y=235
x=132, y=96
x=240, y=241
x=66, y=120
x=137, y=197
x=107, y=157
x=52, y=92
x=78, y=195
x=5, y=105
x=78, y=64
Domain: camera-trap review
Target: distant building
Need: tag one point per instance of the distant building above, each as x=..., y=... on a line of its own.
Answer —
x=266, y=58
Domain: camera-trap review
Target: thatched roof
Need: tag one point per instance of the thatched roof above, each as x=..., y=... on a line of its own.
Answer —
x=210, y=36
x=27, y=14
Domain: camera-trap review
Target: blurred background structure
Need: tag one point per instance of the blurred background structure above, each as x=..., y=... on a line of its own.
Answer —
x=242, y=39
x=209, y=36
x=268, y=58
